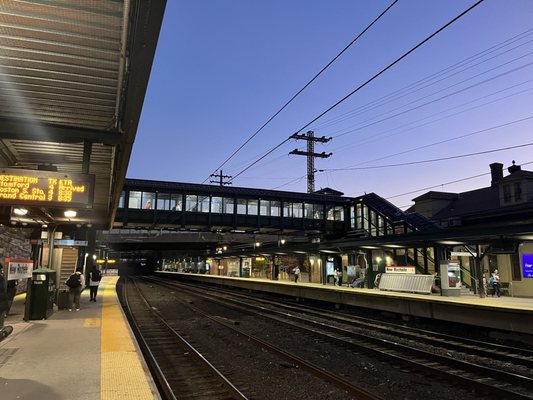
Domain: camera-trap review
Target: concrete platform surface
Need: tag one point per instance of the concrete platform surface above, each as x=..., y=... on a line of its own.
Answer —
x=86, y=355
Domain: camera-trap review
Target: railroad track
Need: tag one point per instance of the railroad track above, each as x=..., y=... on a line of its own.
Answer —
x=346, y=331
x=179, y=369
x=354, y=390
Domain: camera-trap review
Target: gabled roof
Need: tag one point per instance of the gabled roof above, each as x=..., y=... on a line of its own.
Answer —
x=433, y=195
x=474, y=201
x=329, y=191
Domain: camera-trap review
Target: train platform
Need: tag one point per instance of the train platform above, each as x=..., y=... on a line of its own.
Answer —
x=503, y=313
x=89, y=354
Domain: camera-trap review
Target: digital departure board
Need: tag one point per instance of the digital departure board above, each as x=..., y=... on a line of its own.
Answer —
x=45, y=188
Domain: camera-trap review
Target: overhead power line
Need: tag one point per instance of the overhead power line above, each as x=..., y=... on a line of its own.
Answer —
x=391, y=65
x=306, y=85
x=446, y=183
x=363, y=85
x=429, y=161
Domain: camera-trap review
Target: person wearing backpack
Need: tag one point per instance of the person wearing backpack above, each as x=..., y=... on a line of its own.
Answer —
x=495, y=282
x=95, y=277
x=75, y=283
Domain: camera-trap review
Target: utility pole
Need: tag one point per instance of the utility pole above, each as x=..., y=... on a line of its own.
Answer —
x=221, y=177
x=311, y=155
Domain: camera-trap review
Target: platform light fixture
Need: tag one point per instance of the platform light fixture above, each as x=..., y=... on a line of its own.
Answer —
x=70, y=213
x=282, y=241
x=20, y=211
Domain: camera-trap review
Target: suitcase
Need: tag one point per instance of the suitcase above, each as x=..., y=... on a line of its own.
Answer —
x=62, y=300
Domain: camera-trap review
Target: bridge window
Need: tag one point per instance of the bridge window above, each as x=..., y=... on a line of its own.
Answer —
x=264, y=208
x=275, y=208
x=140, y=200
x=252, y=207
x=293, y=210
x=203, y=204
x=241, y=206
x=163, y=201
x=228, y=205
x=176, y=202
x=191, y=203
x=216, y=205
x=335, y=213
x=314, y=211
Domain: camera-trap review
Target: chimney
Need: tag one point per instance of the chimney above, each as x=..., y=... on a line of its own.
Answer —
x=496, y=172
x=514, y=168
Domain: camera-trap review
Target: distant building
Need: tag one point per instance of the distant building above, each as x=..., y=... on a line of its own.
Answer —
x=506, y=202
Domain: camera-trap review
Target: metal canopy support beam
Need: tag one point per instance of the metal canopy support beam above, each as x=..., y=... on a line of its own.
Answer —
x=87, y=150
x=145, y=22
x=27, y=130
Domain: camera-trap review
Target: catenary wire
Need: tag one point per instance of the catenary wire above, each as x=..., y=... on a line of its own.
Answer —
x=459, y=91
x=400, y=92
x=446, y=183
x=503, y=125
x=364, y=84
x=305, y=86
x=429, y=161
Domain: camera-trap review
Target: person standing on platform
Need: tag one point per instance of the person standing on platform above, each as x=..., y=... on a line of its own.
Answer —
x=94, y=280
x=296, y=274
x=485, y=284
x=496, y=283
x=75, y=283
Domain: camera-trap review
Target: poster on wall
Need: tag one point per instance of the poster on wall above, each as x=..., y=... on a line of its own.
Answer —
x=527, y=265
x=19, y=269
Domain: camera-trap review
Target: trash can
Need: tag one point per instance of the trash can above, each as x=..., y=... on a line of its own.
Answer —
x=43, y=293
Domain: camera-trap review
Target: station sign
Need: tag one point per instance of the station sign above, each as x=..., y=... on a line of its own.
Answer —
x=404, y=269
x=18, y=269
x=45, y=188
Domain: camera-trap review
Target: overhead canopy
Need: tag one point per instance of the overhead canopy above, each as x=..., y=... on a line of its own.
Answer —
x=73, y=75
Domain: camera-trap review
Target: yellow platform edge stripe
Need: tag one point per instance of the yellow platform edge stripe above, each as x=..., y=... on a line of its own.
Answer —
x=124, y=375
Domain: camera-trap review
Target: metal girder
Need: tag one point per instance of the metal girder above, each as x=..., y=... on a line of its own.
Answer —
x=27, y=130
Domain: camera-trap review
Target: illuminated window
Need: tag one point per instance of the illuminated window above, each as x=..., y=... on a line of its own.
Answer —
x=176, y=202
x=135, y=200
x=275, y=208
x=228, y=205
x=191, y=203
x=241, y=206
x=264, y=208
x=163, y=201
x=203, y=203
x=252, y=207
x=216, y=205
x=122, y=200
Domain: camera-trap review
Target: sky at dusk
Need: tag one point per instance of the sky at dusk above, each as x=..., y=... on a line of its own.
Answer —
x=223, y=68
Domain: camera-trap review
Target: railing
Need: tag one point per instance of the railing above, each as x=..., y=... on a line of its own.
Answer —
x=411, y=283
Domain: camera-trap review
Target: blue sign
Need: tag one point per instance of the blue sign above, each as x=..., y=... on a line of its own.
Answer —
x=527, y=265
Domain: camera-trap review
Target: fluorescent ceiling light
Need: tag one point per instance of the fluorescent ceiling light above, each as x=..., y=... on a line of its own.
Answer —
x=20, y=211
x=70, y=213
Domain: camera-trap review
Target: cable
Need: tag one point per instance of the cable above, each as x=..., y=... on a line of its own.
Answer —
x=397, y=94
x=439, y=98
x=447, y=183
x=505, y=124
x=364, y=84
x=306, y=85
x=429, y=161
x=391, y=65
x=409, y=126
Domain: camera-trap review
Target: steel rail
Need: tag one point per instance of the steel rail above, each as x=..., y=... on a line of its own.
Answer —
x=157, y=373
x=231, y=389
x=464, y=368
